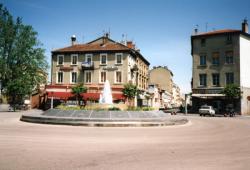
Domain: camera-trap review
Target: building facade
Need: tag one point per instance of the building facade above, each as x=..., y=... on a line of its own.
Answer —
x=177, y=99
x=220, y=58
x=162, y=78
x=92, y=64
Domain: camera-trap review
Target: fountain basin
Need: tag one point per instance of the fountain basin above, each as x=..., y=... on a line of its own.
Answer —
x=104, y=118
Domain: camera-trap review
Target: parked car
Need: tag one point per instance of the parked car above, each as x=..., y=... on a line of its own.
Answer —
x=207, y=110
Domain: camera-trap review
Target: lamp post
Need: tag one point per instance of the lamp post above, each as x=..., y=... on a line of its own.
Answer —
x=52, y=100
x=186, y=96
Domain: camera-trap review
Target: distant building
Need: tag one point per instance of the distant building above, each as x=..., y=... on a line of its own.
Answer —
x=92, y=64
x=155, y=96
x=177, y=99
x=162, y=78
x=220, y=58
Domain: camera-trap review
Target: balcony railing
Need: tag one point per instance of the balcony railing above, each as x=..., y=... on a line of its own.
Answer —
x=87, y=66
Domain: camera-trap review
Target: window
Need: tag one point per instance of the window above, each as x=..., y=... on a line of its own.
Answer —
x=118, y=58
x=118, y=76
x=74, y=59
x=103, y=58
x=88, y=58
x=229, y=39
x=73, y=77
x=103, y=77
x=229, y=78
x=203, y=60
x=88, y=77
x=203, y=80
x=216, y=58
x=60, y=77
x=229, y=57
x=60, y=59
x=203, y=42
x=216, y=79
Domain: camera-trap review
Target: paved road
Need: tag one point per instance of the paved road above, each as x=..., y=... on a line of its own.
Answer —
x=206, y=143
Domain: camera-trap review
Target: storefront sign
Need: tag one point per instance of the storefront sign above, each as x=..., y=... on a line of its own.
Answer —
x=110, y=68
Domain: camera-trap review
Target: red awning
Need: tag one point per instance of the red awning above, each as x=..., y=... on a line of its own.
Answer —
x=60, y=95
x=86, y=96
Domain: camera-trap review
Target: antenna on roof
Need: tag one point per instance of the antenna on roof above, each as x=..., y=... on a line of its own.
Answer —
x=83, y=39
x=109, y=32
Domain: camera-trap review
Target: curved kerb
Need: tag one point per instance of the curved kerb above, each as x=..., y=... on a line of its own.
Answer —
x=104, y=118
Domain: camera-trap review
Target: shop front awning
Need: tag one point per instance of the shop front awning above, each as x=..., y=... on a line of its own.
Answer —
x=207, y=95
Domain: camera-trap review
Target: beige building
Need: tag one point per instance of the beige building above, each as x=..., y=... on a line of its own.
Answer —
x=177, y=99
x=95, y=62
x=162, y=78
x=219, y=58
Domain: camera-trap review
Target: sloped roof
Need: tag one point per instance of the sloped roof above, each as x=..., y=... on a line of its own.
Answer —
x=224, y=31
x=93, y=47
x=98, y=45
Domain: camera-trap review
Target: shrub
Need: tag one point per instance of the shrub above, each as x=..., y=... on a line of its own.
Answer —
x=114, y=109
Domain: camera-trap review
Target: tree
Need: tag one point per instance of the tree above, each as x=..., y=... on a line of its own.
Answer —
x=130, y=92
x=77, y=91
x=231, y=92
x=23, y=65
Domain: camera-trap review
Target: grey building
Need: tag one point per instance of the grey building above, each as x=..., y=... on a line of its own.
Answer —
x=219, y=58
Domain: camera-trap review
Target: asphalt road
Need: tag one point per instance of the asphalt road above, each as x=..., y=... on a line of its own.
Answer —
x=205, y=143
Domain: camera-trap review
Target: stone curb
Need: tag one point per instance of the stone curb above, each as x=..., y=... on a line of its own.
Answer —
x=102, y=122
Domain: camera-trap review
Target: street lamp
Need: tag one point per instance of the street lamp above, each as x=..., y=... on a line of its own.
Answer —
x=186, y=96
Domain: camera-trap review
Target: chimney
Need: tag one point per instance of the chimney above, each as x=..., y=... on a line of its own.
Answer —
x=196, y=29
x=73, y=40
x=130, y=44
x=245, y=26
x=105, y=38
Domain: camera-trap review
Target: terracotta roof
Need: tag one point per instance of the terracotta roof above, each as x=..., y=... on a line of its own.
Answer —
x=218, y=32
x=93, y=47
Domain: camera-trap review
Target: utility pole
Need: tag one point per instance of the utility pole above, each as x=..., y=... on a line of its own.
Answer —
x=186, y=96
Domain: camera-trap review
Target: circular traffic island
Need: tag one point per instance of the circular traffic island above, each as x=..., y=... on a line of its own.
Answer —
x=104, y=118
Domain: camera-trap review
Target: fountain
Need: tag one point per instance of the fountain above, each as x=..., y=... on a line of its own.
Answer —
x=106, y=95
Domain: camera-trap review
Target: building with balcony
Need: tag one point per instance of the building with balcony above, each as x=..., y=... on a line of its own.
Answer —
x=220, y=58
x=92, y=64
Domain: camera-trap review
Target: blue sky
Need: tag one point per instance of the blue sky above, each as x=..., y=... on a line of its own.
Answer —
x=160, y=28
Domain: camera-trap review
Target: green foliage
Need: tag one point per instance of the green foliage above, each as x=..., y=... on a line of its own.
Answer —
x=78, y=90
x=130, y=91
x=22, y=62
x=114, y=109
x=63, y=107
x=232, y=91
x=139, y=108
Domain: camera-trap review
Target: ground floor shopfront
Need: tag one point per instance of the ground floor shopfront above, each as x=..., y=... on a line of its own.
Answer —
x=220, y=103
x=63, y=92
